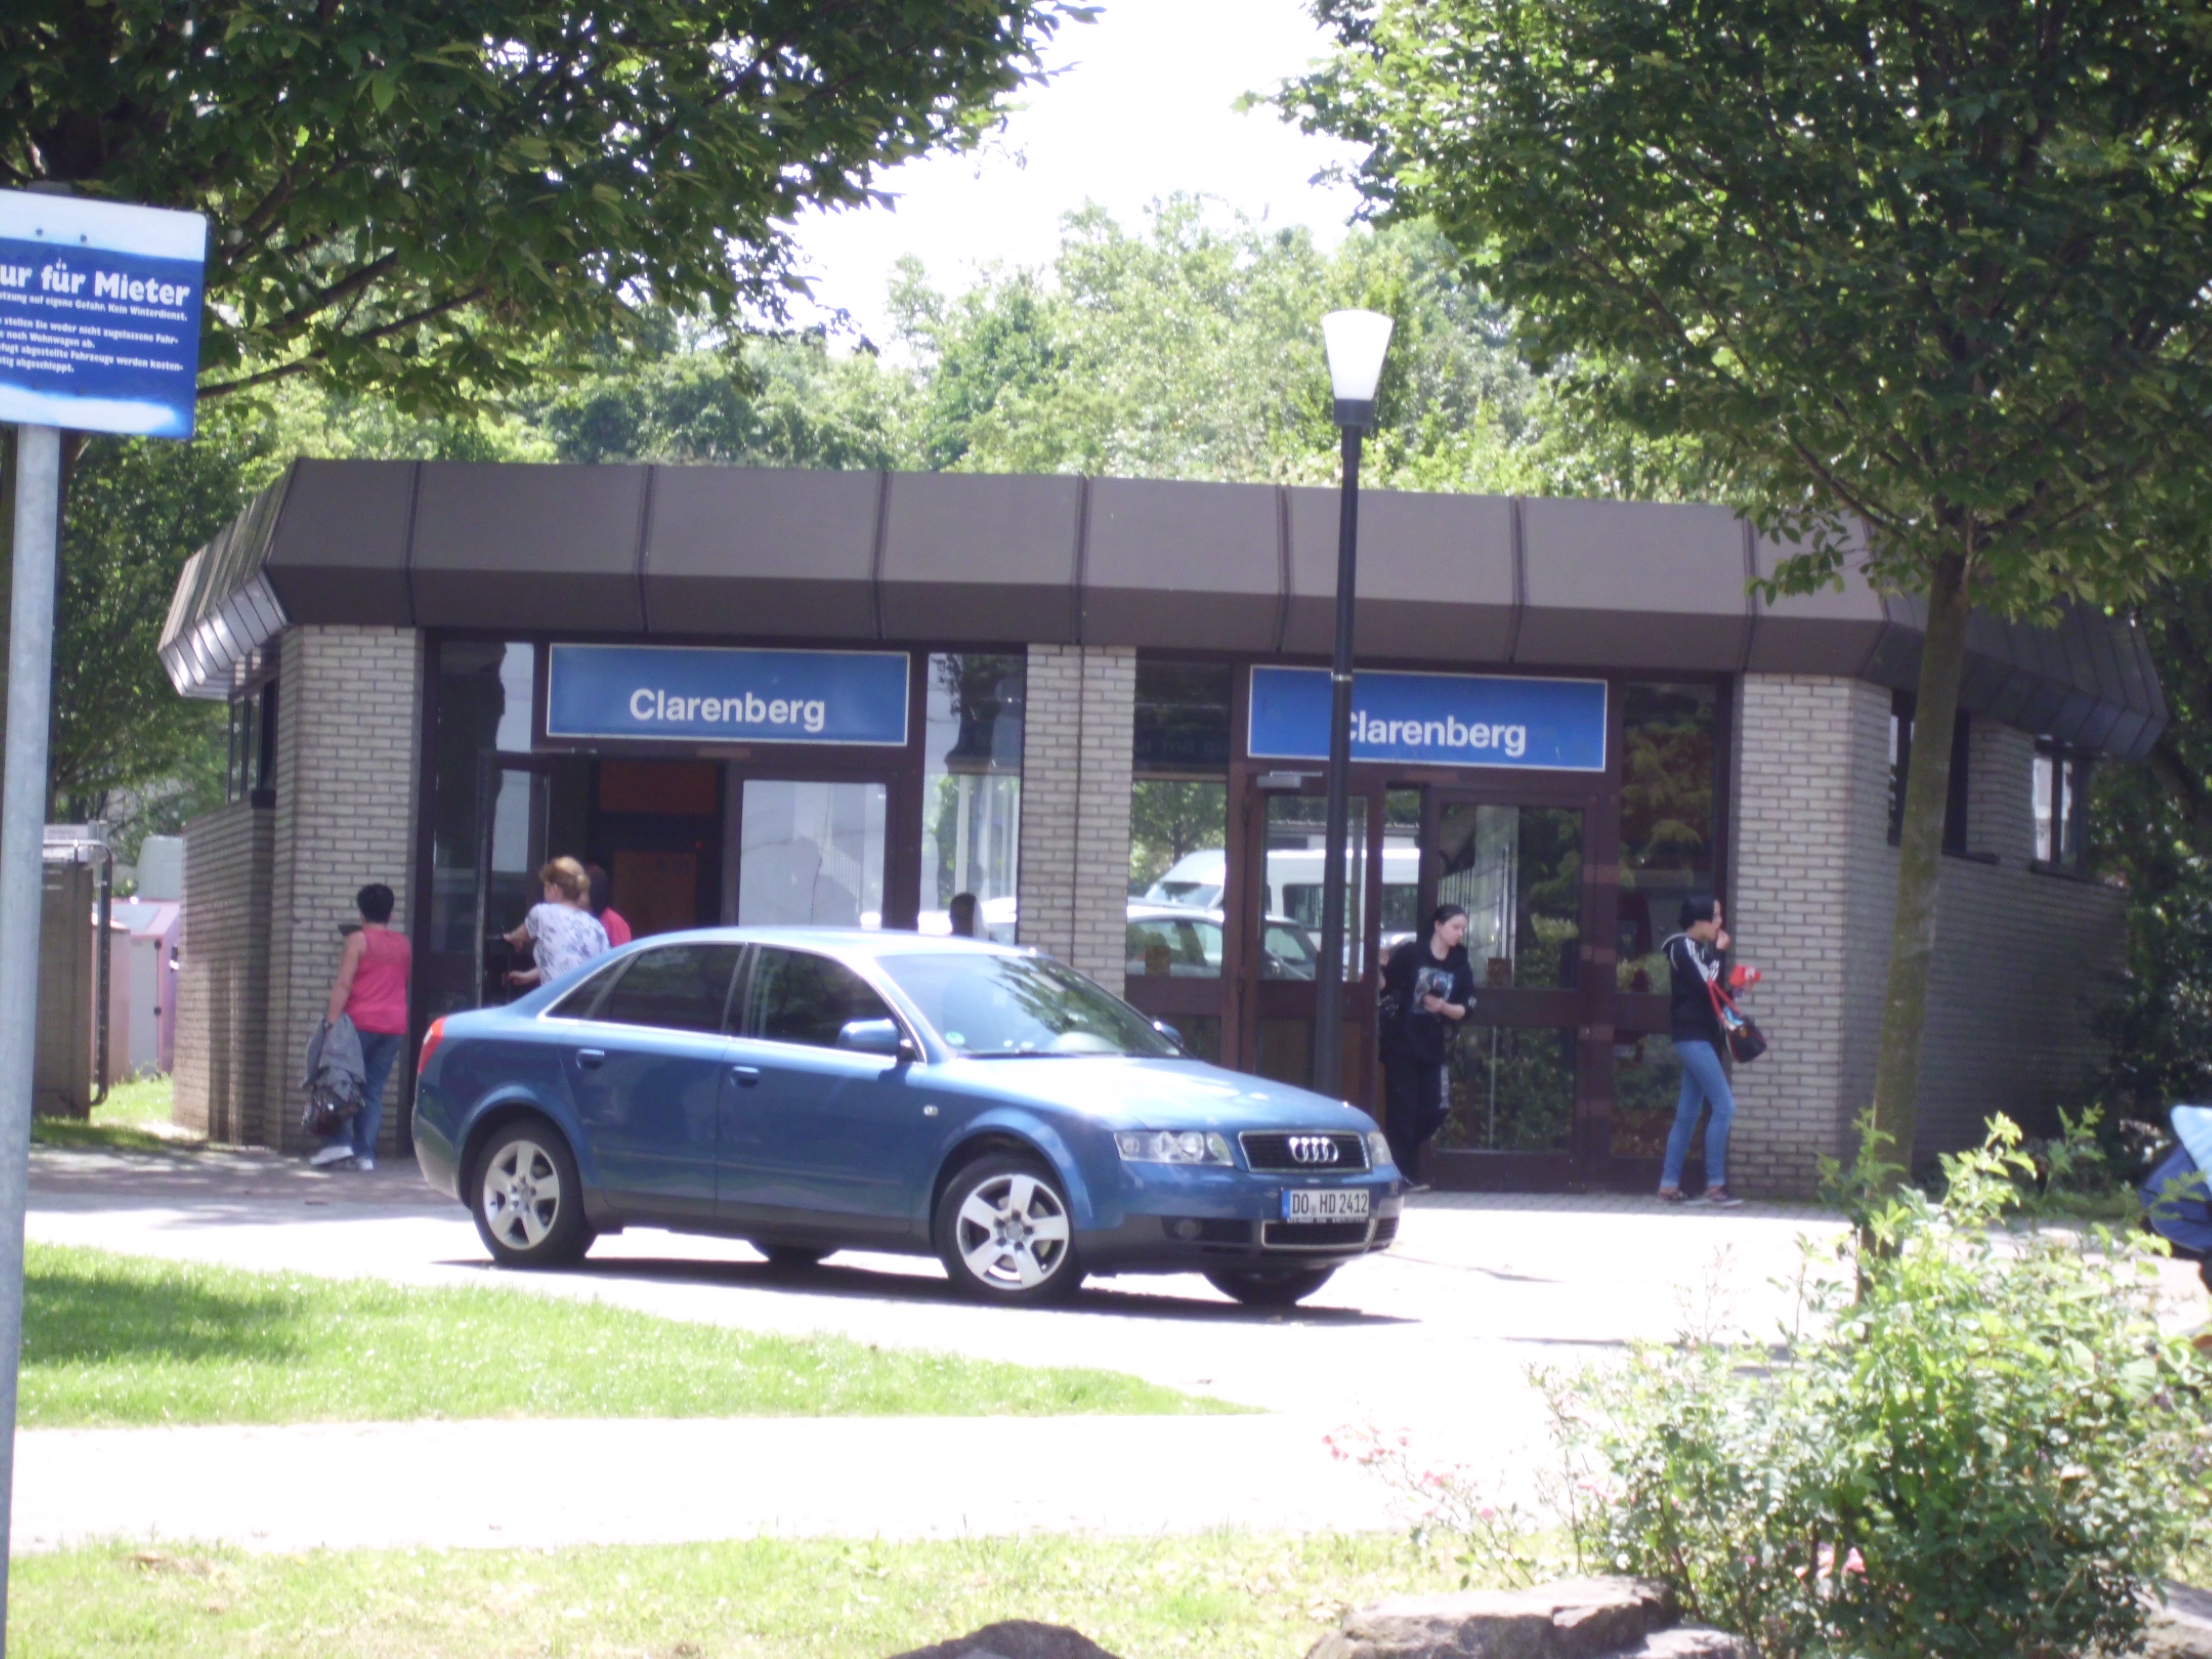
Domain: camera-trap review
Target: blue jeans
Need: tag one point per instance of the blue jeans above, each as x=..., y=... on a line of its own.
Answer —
x=379, y=1050
x=1703, y=1080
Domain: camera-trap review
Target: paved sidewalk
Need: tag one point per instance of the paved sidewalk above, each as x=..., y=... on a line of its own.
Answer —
x=519, y=1483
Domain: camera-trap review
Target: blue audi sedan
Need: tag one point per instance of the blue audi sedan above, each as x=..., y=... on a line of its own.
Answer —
x=813, y=1091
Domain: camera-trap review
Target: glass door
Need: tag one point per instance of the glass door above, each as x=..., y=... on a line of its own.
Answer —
x=810, y=852
x=1286, y=841
x=1518, y=1068
x=512, y=798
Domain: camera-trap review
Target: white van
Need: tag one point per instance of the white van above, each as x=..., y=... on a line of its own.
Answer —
x=1294, y=880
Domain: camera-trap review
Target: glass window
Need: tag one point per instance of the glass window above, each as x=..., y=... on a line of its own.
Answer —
x=1667, y=779
x=583, y=1001
x=1647, y=1079
x=1512, y=1089
x=482, y=692
x=1900, y=769
x=1401, y=868
x=1517, y=871
x=1165, y=943
x=810, y=855
x=678, y=987
x=1178, y=829
x=2061, y=780
x=796, y=996
x=971, y=788
x=1019, y=1007
x=1182, y=717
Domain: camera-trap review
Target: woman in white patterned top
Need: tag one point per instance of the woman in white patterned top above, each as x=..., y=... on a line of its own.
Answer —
x=563, y=929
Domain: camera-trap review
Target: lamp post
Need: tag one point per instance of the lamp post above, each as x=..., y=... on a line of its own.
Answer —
x=1356, y=341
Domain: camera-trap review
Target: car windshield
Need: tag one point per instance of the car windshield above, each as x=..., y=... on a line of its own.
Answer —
x=994, y=1008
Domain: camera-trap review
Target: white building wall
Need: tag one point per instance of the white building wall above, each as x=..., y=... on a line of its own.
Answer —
x=1078, y=735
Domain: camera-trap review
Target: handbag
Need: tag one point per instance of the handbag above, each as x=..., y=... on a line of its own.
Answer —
x=1745, y=1042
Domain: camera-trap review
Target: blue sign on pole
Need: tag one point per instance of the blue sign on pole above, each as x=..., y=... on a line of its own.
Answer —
x=711, y=694
x=1434, y=720
x=100, y=314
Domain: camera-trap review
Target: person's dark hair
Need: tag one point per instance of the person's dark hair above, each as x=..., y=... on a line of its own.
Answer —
x=374, y=902
x=603, y=888
x=1697, y=907
x=1443, y=914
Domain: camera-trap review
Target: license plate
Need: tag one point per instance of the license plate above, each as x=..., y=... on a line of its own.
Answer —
x=1324, y=1204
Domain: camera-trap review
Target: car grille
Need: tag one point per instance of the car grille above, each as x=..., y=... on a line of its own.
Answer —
x=1312, y=1235
x=1293, y=1153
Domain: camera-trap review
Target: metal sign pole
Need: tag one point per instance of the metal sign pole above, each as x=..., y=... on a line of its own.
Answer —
x=22, y=836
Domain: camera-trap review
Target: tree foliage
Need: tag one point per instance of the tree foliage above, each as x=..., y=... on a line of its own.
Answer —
x=1939, y=270
x=411, y=195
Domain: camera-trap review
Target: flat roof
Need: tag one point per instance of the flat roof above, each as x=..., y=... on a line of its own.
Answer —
x=702, y=553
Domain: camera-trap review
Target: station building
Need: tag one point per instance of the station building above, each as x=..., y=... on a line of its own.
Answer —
x=1099, y=705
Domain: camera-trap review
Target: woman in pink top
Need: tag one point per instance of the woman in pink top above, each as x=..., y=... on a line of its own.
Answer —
x=371, y=991
x=603, y=890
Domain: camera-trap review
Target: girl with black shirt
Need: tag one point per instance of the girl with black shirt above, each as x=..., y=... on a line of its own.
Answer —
x=1693, y=957
x=1428, y=986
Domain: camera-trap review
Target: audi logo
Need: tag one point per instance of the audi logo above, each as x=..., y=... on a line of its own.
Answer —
x=1312, y=1148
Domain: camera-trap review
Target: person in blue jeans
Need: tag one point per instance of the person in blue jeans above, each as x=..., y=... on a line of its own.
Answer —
x=370, y=990
x=1693, y=959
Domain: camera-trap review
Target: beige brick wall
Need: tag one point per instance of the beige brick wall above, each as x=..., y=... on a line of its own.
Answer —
x=2022, y=957
x=222, y=974
x=1078, y=728
x=347, y=726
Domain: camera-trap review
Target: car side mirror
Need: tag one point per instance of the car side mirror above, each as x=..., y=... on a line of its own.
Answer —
x=876, y=1037
x=1171, y=1035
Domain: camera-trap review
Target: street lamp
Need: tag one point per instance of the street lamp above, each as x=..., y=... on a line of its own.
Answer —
x=1356, y=341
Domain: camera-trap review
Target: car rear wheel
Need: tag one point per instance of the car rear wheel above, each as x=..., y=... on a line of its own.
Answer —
x=792, y=1258
x=1271, y=1290
x=1004, y=1234
x=529, y=1204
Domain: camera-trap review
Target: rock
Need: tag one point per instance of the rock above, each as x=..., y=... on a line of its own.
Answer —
x=1574, y=1619
x=2182, y=1629
x=1016, y=1638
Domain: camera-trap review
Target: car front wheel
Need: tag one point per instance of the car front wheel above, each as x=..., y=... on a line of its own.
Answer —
x=1004, y=1234
x=529, y=1204
x=1258, y=1290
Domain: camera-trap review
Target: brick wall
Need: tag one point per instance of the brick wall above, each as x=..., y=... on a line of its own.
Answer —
x=2022, y=957
x=347, y=739
x=1078, y=729
x=222, y=974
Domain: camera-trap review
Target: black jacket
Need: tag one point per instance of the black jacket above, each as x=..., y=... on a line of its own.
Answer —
x=1417, y=1032
x=1694, y=966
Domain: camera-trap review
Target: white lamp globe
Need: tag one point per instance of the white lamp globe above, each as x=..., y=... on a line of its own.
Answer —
x=1356, y=342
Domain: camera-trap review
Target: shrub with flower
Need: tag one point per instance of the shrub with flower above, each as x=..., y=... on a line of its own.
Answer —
x=1976, y=1440
x=1495, y=1540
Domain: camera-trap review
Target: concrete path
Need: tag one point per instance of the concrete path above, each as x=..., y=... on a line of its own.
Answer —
x=1437, y=1337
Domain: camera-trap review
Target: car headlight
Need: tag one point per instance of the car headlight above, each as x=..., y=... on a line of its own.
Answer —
x=1378, y=1148
x=1172, y=1147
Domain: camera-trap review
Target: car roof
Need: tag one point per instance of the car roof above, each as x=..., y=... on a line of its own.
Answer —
x=851, y=941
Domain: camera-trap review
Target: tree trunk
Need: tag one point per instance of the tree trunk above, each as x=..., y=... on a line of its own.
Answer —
x=1919, y=860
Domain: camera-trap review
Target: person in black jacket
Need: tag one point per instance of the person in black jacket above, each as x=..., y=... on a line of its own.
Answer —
x=1428, y=987
x=1693, y=957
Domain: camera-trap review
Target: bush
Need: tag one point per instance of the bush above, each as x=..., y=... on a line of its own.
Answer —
x=1976, y=1441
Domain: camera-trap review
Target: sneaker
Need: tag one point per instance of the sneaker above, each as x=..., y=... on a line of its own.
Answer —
x=1670, y=1194
x=1722, y=1199
x=332, y=1155
x=367, y=1163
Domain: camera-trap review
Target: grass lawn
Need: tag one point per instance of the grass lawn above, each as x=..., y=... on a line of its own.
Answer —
x=123, y=1340
x=1213, y=1595
x=135, y=1117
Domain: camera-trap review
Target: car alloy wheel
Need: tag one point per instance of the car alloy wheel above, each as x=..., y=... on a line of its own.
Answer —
x=529, y=1203
x=1271, y=1290
x=1004, y=1233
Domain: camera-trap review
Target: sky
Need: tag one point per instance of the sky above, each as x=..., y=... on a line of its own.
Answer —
x=1143, y=105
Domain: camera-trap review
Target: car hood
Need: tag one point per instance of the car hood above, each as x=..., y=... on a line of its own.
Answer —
x=1124, y=1093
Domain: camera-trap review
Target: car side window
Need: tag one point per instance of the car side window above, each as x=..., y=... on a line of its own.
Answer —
x=800, y=997
x=583, y=1002
x=676, y=987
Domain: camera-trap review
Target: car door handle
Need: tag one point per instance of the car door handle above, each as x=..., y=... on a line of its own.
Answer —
x=745, y=1075
x=590, y=1059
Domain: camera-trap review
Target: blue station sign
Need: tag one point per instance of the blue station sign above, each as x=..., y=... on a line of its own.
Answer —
x=100, y=314
x=1434, y=720
x=690, y=694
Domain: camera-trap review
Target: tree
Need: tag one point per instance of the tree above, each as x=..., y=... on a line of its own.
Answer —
x=1940, y=270
x=413, y=195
